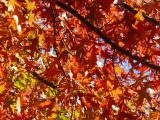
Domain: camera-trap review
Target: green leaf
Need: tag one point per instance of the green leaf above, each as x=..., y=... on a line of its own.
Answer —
x=18, y=85
x=63, y=117
x=54, y=115
x=77, y=114
x=58, y=118
x=12, y=106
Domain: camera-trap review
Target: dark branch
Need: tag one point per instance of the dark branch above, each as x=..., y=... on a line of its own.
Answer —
x=132, y=10
x=129, y=8
x=105, y=38
x=44, y=81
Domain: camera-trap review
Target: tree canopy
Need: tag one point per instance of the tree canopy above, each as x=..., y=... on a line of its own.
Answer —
x=79, y=59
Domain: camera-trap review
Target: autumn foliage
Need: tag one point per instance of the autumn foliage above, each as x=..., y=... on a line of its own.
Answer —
x=79, y=59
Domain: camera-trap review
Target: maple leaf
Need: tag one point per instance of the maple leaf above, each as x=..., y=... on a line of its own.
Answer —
x=151, y=6
x=70, y=47
x=92, y=58
x=139, y=15
x=31, y=17
x=15, y=2
x=21, y=16
x=143, y=94
x=105, y=104
x=33, y=47
x=119, y=70
x=30, y=5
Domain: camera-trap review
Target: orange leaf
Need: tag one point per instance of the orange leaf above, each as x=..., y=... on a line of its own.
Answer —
x=75, y=69
x=118, y=70
x=45, y=103
x=87, y=104
x=105, y=104
x=1, y=72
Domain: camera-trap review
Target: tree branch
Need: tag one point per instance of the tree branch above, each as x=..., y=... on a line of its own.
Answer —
x=132, y=10
x=40, y=78
x=104, y=37
x=55, y=47
x=43, y=80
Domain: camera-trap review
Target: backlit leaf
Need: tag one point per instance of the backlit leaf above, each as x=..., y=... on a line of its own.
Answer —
x=31, y=17
x=30, y=5
x=45, y=103
x=119, y=70
x=79, y=59
x=2, y=87
x=139, y=15
x=15, y=2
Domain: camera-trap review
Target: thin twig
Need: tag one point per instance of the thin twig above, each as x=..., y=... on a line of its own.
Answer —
x=72, y=109
x=106, y=23
x=120, y=84
x=43, y=80
x=115, y=74
x=54, y=27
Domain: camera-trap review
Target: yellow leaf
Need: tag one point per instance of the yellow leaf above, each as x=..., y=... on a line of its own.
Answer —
x=79, y=76
x=118, y=90
x=117, y=93
x=110, y=86
x=121, y=44
x=31, y=17
x=12, y=3
x=111, y=77
x=15, y=2
x=41, y=38
x=2, y=88
x=30, y=5
x=13, y=25
x=139, y=15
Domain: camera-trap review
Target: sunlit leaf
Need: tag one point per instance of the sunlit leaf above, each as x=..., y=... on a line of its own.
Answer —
x=119, y=70
x=139, y=15
x=31, y=17
x=15, y=2
x=45, y=103
x=79, y=60
x=2, y=87
x=30, y=5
